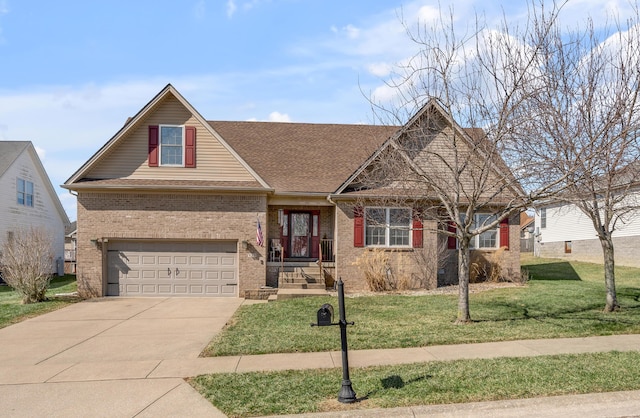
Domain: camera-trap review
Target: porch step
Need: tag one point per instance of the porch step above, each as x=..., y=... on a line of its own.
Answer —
x=284, y=294
x=303, y=285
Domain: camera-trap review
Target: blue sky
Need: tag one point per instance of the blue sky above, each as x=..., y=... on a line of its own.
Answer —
x=71, y=72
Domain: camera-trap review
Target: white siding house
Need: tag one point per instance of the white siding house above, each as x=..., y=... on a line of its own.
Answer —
x=28, y=197
x=563, y=231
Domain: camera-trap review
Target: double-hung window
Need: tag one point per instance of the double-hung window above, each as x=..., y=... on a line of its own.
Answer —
x=171, y=145
x=388, y=227
x=24, y=192
x=488, y=239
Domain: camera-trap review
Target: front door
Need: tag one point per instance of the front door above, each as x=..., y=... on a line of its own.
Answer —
x=300, y=234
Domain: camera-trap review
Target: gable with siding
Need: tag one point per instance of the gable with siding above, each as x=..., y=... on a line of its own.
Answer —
x=129, y=158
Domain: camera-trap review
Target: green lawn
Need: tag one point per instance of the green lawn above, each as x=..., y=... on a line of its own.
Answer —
x=296, y=392
x=562, y=300
x=12, y=310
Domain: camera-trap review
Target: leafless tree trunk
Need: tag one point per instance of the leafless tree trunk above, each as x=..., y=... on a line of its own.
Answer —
x=27, y=260
x=462, y=95
x=585, y=113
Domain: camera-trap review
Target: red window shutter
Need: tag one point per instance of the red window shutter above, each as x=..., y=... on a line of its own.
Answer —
x=451, y=241
x=190, y=146
x=153, y=146
x=417, y=229
x=504, y=233
x=358, y=226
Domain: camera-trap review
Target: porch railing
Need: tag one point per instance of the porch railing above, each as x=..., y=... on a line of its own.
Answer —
x=326, y=250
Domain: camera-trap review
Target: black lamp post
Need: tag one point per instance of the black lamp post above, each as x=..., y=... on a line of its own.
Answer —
x=325, y=318
x=347, y=394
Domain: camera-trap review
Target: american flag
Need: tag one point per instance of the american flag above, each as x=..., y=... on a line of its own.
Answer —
x=259, y=237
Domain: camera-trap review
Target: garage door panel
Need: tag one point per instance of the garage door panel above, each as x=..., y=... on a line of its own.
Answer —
x=132, y=288
x=148, y=274
x=228, y=261
x=180, y=289
x=165, y=268
x=212, y=260
x=180, y=260
x=228, y=290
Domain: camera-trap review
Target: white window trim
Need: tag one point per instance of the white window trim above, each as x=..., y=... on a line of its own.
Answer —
x=388, y=227
x=182, y=127
x=475, y=241
x=25, y=194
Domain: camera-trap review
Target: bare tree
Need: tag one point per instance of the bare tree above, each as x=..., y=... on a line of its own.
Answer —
x=27, y=260
x=585, y=113
x=478, y=80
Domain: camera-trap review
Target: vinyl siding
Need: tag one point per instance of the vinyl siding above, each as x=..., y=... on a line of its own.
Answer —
x=568, y=223
x=129, y=158
x=42, y=214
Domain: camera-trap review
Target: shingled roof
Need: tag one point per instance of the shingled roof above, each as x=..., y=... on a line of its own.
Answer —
x=9, y=151
x=303, y=157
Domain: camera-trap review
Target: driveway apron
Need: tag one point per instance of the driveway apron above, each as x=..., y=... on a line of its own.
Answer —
x=112, y=345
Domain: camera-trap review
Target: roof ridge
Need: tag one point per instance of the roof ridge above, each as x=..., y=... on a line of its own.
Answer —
x=303, y=123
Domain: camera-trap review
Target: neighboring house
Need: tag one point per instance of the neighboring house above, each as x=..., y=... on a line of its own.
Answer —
x=527, y=228
x=563, y=231
x=174, y=204
x=70, y=244
x=29, y=198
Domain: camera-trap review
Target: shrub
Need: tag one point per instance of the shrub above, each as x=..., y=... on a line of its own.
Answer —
x=487, y=267
x=27, y=260
x=383, y=272
x=376, y=268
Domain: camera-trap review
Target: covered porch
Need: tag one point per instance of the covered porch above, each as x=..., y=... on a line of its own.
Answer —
x=300, y=251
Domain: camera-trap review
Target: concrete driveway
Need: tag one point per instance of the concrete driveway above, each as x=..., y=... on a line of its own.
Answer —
x=120, y=357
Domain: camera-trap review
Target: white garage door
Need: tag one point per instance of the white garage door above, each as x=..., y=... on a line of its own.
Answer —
x=172, y=268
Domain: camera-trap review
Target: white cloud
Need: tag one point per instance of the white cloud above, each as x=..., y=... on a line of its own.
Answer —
x=273, y=117
x=279, y=117
x=4, y=9
x=352, y=32
x=380, y=69
x=231, y=8
x=428, y=14
x=200, y=10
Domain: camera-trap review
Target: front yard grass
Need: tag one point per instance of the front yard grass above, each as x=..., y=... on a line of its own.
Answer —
x=563, y=299
x=12, y=310
x=296, y=392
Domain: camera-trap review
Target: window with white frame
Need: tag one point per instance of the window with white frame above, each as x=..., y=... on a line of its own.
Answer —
x=387, y=227
x=543, y=218
x=172, y=145
x=488, y=239
x=24, y=192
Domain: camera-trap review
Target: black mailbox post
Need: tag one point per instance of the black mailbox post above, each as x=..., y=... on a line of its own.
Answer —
x=325, y=318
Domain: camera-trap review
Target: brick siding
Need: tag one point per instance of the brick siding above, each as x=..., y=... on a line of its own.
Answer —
x=167, y=217
x=441, y=272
